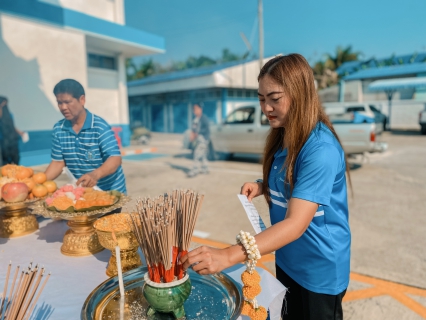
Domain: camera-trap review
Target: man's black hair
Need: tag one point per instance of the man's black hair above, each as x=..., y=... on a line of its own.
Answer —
x=69, y=86
x=3, y=99
x=200, y=104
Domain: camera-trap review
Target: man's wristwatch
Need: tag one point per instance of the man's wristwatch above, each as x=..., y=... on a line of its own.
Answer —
x=259, y=180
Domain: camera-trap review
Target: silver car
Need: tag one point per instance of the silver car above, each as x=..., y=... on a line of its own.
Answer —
x=243, y=131
x=246, y=128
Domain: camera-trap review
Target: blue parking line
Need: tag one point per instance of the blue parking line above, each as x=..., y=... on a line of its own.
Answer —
x=143, y=156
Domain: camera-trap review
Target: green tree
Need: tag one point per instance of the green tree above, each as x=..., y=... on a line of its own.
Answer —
x=325, y=70
x=149, y=67
x=342, y=55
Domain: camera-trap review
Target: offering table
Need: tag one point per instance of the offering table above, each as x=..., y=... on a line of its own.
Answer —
x=72, y=280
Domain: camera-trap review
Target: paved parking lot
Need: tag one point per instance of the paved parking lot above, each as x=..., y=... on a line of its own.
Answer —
x=387, y=216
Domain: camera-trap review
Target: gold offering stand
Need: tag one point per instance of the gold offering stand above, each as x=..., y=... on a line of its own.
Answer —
x=81, y=239
x=15, y=220
x=125, y=239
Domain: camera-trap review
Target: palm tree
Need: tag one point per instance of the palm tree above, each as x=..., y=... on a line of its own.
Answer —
x=341, y=56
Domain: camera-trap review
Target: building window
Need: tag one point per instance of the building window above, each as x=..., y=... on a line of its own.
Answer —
x=100, y=61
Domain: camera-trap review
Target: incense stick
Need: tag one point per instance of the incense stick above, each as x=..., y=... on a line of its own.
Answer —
x=163, y=227
x=22, y=292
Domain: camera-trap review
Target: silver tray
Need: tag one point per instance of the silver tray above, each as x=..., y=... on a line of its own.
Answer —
x=212, y=297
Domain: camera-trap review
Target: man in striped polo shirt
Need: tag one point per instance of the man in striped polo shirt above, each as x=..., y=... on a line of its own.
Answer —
x=84, y=143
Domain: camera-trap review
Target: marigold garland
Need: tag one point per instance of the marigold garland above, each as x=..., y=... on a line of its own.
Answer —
x=251, y=278
x=258, y=314
x=247, y=307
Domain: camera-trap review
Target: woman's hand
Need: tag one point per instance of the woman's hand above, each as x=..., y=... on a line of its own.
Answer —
x=205, y=260
x=252, y=190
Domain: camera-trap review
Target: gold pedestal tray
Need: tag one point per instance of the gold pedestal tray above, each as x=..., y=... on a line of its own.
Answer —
x=15, y=221
x=127, y=242
x=81, y=240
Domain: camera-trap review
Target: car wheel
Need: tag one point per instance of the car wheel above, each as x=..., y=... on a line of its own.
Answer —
x=423, y=129
x=384, y=124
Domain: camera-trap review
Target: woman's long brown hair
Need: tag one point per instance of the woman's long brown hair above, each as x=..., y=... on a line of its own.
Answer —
x=295, y=75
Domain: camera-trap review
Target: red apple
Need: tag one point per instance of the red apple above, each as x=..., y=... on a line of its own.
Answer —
x=14, y=192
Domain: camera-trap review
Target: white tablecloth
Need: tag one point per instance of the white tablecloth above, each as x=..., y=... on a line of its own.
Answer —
x=73, y=279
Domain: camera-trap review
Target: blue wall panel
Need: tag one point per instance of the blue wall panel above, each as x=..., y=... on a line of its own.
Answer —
x=180, y=117
x=157, y=118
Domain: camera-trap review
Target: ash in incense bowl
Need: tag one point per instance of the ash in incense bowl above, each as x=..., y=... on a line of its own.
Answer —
x=167, y=297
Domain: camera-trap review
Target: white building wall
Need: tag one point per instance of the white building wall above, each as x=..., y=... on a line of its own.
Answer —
x=102, y=94
x=111, y=10
x=39, y=56
x=34, y=58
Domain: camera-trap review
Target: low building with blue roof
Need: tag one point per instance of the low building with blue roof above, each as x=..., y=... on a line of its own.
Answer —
x=163, y=102
x=45, y=41
x=357, y=78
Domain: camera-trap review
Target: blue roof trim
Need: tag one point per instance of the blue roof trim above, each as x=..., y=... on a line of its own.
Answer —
x=184, y=74
x=77, y=20
x=355, y=66
x=391, y=71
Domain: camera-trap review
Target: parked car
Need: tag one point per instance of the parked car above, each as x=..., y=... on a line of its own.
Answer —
x=365, y=109
x=245, y=130
x=422, y=120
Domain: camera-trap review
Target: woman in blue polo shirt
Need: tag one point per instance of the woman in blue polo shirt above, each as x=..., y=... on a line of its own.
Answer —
x=304, y=184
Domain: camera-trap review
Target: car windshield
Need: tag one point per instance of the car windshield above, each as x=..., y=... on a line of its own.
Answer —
x=242, y=115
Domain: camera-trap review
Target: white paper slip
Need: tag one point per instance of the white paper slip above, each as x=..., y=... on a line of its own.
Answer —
x=252, y=214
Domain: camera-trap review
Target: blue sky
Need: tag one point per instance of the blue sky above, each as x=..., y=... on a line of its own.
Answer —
x=311, y=27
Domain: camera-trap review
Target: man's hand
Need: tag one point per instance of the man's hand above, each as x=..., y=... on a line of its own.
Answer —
x=252, y=190
x=192, y=136
x=88, y=180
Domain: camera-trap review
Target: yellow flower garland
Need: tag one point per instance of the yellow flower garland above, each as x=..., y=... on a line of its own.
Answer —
x=251, y=279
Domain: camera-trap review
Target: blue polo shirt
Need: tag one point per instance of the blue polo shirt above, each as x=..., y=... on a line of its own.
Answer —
x=88, y=150
x=319, y=259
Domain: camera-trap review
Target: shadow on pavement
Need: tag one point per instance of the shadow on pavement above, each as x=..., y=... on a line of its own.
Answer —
x=183, y=156
x=406, y=132
x=177, y=167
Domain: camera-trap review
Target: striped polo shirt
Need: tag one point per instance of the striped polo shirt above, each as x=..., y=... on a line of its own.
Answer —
x=319, y=260
x=88, y=150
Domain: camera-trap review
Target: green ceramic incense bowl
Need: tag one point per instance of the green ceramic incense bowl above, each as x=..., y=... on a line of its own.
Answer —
x=167, y=297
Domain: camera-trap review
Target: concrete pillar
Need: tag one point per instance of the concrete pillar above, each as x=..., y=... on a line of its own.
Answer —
x=223, y=100
x=341, y=91
x=123, y=102
x=119, y=15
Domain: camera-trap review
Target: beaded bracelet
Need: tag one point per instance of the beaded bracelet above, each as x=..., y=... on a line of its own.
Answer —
x=251, y=278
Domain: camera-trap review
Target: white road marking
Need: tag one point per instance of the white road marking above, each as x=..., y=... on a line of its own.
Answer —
x=201, y=234
x=214, y=169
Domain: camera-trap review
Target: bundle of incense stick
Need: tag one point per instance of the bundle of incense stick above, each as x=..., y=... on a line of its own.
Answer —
x=24, y=292
x=163, y=227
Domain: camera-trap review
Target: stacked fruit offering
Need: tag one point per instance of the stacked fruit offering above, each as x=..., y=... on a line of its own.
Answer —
x=19, y=183
x=78, y=198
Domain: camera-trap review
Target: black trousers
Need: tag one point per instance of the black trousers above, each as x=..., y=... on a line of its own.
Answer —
x=10, y=156
x=302, y=304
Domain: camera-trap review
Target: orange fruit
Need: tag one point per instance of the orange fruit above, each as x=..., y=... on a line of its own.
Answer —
x=22, y=173
x=39, y=191
x=31, y=171
x=30, y=183
x=6, y=169
x=39, y=178
x=50, y=185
